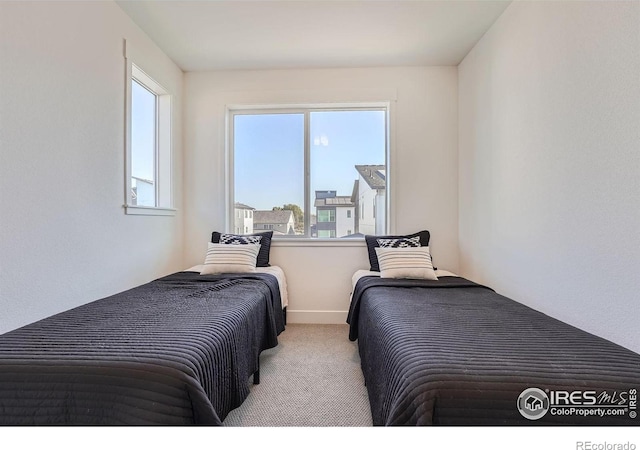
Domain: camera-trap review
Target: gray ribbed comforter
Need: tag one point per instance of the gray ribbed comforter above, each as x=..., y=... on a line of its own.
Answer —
x=178, y=350
x=452, y=352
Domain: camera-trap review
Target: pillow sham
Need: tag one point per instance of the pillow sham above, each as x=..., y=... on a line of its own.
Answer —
x=398, y=243
x=372, y=244
x=237, y=239
x=265, y=244
x=225, y=258
x=405, y=262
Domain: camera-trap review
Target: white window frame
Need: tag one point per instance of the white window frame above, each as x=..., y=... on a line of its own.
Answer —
x=306, y=110
x=163, y=179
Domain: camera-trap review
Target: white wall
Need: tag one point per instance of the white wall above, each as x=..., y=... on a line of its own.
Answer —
x=64, y=237
x=380, y=209
x=423, y=166
x=549, y=104
x=344, y=224
x=366, y=199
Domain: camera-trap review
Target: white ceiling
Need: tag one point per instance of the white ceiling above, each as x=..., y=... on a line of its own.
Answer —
x=274, y=34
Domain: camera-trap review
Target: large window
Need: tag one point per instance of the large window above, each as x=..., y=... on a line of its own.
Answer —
x=148, y=167
x=320, y=163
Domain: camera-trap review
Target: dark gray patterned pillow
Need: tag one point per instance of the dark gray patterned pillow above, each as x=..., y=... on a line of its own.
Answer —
x=400, y=242
x=265, y=245
x=237, y=240
x=372, y=243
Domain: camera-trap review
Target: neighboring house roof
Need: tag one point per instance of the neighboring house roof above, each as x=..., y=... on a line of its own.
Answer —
x=329, y=198
x=144, y=180
x=354, y=235
x=242, y=206
x=374, y=175
x=340, y=200
x=273, y=217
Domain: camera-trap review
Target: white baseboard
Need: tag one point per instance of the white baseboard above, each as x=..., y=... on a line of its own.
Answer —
x=329, y=317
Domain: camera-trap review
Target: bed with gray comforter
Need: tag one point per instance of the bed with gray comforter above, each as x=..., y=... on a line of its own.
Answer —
x=178, y=350
x=452, y=352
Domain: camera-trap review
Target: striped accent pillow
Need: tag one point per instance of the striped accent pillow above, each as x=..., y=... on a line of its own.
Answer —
x=406, y=262
x=225, y=258
x=372, y=243
x=265, y=243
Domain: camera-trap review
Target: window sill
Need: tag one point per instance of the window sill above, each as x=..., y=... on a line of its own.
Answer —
x=317, y=242
x=148, y=211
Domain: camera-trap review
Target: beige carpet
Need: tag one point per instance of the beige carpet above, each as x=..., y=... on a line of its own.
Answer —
x=312, y=378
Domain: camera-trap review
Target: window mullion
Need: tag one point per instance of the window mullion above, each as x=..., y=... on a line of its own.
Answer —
x=156, y=150
x=307, y=174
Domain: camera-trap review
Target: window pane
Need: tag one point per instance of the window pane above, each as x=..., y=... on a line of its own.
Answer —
x=326, y=233
x=143, y=145
x=269, y=171
x=348, y=169
x=326, y=215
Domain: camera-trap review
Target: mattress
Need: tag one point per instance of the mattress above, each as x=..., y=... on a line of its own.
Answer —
x=453, y=352
x=178, y=350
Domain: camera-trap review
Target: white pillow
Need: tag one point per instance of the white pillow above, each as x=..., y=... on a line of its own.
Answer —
x=405, y=262
x=226, y=258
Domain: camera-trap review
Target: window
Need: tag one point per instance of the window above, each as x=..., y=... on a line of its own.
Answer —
x=314, y=160
x=148, y=164
x=326, y=215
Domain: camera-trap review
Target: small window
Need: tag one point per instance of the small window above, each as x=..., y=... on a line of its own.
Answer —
x=349, y=215
x=326, y=215
x=148, y=165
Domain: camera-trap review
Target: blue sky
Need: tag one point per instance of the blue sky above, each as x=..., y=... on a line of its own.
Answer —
x=143, y=106
x=269, y=154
